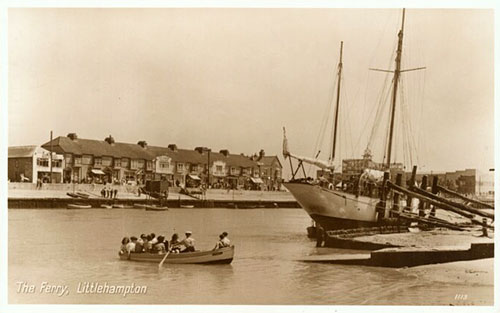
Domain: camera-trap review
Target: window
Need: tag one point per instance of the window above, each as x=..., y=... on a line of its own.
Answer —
x=78, y=160
x=42, y=162
x=87, y=159
x=149, y=165
x=106, y=161
x=164, y=165
x=180, y=167
x=118, y=162
x=68, y=158
x=134, y=164
x=97, y=161
x=56, y=163
x=124, y=162
x=16, y=163
x=140, y=163
x=218, y=168
x=194, y=168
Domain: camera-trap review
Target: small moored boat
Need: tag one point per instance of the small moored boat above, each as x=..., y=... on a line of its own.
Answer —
x=82, y=195
x=187, y=206
x=118, y=206
x=150, y=207
x=106, y=206
x=79, y=206
x=219, y=256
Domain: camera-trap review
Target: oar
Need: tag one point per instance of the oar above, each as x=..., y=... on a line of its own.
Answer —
x=164, y=258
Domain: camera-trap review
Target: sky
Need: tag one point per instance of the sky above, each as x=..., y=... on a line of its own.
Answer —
x=232, y=78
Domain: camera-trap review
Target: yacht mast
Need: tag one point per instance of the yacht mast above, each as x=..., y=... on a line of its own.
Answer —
x=397, y=73
x=337, y=104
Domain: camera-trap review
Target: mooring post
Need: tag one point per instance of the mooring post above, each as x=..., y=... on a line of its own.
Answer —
x=381, y=209
x=399, y=181
x=411, y=183
x=421, y=205
x=485, y=228
x=434, y=191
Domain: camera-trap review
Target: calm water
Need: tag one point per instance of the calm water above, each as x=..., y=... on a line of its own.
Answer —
x=65, y=247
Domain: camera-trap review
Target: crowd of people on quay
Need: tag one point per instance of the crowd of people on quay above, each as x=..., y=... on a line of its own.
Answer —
x=160, y=245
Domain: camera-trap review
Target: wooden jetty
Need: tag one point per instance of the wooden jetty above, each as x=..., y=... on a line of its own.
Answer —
x=408, y=256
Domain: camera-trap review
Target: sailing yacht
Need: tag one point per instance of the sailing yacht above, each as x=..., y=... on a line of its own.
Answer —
x=334, y=208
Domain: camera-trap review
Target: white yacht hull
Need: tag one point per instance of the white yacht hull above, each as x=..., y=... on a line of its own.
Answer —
x=334, y=209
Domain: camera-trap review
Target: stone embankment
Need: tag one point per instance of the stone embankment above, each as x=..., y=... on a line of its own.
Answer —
x=26, y=195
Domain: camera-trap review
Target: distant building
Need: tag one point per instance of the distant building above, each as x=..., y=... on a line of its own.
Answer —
x=30, y=163
x=89, y=160
x=461, y=181
x=353, y=168
x=271, y=170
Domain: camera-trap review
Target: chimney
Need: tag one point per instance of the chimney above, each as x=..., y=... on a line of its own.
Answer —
x=261, y=154
x=225, y=152
x=72, y=136
x=110, y=140
x=143, y=144
x=172, y=147
x=199, y=149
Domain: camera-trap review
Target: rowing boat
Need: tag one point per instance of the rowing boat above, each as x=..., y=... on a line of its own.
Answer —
x=106, y=206
x=219, y=256
x=79, y=206
x=187, y=206
x=150, y=207
x=118, y=206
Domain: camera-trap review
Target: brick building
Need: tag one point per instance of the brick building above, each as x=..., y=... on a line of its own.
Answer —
x=88, y=160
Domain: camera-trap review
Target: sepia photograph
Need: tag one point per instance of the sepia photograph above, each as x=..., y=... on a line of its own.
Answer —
x=307, y=156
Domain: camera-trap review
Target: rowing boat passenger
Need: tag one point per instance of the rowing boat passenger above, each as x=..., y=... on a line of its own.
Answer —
x=139, y=245
x=154, y=240
x=147, y=244
x=219, y=244
x=123, y=247
x=188, y=242
x=225, y=240
x=131, y=245
x=175, y=244
x=160, y=246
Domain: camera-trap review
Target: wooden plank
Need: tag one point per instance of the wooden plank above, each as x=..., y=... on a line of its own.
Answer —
x=442, y=189
x=454, y=204
x=438, y=204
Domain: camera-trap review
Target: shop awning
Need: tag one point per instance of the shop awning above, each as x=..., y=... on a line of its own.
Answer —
x=97, y=172
x=194, y=177
x=138, y=172
x=256, y=180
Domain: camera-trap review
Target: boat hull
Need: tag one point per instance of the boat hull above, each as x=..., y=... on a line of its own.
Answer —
x=333, y=209
x=79, y=206
x=150, y=207
x=219, y=256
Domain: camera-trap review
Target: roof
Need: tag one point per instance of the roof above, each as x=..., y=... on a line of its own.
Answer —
x=21, y=151
x=180, y=155
x=99, y=148
x=135, y=151
x=268, y=160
